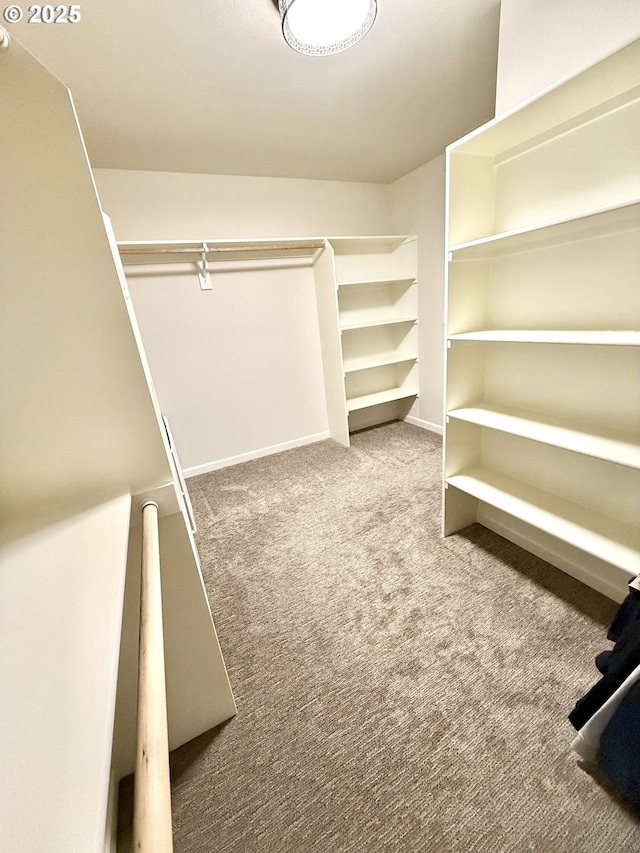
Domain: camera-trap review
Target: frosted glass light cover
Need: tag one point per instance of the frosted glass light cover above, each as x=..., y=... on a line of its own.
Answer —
x=323, y=27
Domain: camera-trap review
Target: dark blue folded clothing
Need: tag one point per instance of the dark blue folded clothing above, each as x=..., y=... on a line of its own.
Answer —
x=619, y=751
x=621, y=662
x=627, y=613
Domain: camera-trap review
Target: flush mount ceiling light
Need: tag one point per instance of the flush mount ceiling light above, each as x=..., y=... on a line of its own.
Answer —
x=323, y=27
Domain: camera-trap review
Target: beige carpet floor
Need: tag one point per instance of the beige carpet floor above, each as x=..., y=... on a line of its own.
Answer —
x=396, y=691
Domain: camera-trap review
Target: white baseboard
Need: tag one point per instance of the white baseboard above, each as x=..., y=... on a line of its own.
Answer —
x=410, y=419
x=594, y=573
x=254, y=454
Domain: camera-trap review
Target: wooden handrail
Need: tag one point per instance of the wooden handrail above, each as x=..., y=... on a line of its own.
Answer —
x=152, y=792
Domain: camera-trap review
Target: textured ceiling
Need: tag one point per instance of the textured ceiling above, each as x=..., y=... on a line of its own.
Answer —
x=197, y=86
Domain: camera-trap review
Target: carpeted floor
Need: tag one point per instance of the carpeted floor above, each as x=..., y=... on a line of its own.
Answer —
x=396, y=691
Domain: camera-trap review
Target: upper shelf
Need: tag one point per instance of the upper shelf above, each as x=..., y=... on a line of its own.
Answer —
x=594, y=223
x=551, y=336
x=368, y=245
x=161, y=251
x=590, y=94
x=406, y=282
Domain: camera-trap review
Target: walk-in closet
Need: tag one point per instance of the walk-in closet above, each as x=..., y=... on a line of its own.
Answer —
x=320, y=428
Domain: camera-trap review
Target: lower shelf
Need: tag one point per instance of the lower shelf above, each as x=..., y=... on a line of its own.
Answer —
x=387, y=396
x=600, y=535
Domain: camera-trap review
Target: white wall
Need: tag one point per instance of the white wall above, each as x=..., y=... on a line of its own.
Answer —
x=176, y=206
x=237, y=369
x=544, y=41
x=417, y=207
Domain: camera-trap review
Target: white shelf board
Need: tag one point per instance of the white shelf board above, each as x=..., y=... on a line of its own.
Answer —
x=598, y=222
x=190, y=251
x=610, y=445
x=374, y=281
x=560, y=108
x=61, y=594
x=368, y=245
x=378, y=397
x=553, y=336
x=366, y=362
x=370, y=323
x=603, y=537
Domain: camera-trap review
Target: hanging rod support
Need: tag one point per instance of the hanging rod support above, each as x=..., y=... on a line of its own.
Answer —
x=203, y=272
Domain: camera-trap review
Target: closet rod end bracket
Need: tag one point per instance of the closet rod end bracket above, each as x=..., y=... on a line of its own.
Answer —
x=203, y=273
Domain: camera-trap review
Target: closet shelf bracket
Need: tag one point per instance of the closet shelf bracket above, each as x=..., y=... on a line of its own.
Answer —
x=203, y=272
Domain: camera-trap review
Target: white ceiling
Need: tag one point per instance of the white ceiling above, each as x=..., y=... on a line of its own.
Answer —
x=211, y=86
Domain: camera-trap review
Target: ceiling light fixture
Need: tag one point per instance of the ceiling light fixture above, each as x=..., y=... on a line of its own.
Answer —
x=323, y=27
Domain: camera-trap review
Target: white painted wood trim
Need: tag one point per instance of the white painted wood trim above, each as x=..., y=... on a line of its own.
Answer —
x=255, y=454
x=419, y=422
x=602, y=577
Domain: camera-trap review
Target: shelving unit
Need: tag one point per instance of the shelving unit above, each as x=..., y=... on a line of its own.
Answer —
x=542, y=400
x=368, y=312
x=366, y=298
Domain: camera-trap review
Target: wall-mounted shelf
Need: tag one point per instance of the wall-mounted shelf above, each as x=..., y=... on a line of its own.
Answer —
x=584, y=226
x=391, y=321
x=366, y=362
x=599, y=442
x=377, y=398
x=595, y=533
x=368, y=283
x=595, y=337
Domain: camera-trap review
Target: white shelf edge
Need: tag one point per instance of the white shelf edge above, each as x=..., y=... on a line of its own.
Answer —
x=354, y=245
x=371, y=323
x=620, y=70
x=382, y=361
x=388, y=396
x=601, y=536
x=594, y=337
x=608, y=445
x=613, y=219
x=407, y=282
